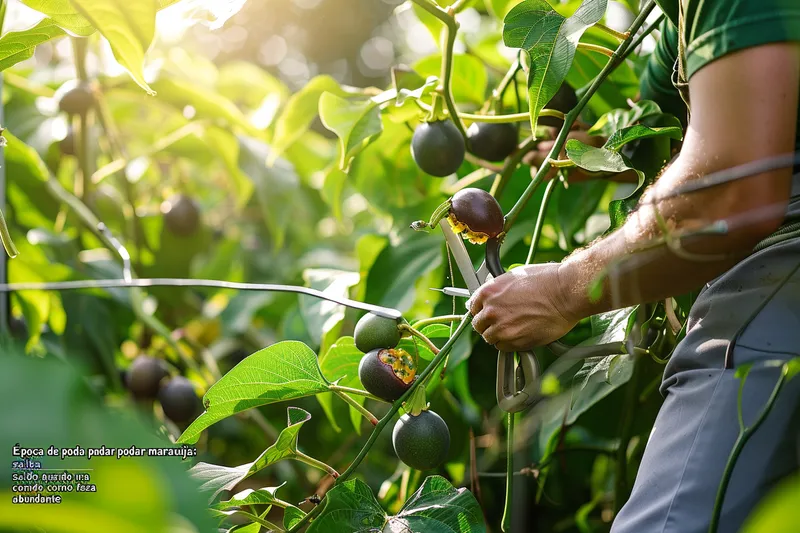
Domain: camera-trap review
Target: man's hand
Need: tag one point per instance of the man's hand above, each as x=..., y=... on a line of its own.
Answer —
x=522, y=308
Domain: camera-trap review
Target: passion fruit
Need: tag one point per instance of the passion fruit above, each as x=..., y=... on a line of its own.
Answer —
x=387, y=373
x=422, y=441
x=374, y=331
x=75, y=98
x=564, y=100
x=179, y=400
x=144, y=376
x=67, y=145
x=476, y=214
x=492, y=142
x=438, y=148
x=181, y=215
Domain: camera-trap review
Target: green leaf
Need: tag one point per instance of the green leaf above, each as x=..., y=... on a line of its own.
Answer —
x=129, y=28
x=262, y=496
x=340, y=365
x=206, y=103
x=63, y=13
x=350, y=507
x=425, y=88
x=283, y=371
x=550, y=40
x=217, y=478
x=356, y=124
x=776, y=512
x=226, y=146
x=320, y=315
x=18, y=46
x=793, y=368
x=468, y=71
x=300, y=110
x=436, y=506
x=617, y=119
x=633, y=133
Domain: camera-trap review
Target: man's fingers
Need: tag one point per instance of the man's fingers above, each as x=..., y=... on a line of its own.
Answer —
x=480, y=323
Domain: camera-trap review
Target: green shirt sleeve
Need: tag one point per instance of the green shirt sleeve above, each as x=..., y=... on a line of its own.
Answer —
x=715, y=28
x=656, y=81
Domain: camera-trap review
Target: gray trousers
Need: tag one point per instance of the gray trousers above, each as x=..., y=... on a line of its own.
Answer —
x=697, y=425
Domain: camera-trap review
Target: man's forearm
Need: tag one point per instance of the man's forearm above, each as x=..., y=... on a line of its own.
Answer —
x=635, y=263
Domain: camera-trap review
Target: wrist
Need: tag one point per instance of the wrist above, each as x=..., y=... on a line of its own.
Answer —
x=575, y=279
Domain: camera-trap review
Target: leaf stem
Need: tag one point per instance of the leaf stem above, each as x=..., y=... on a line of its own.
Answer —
x=316, y=463
x=596, y=48
x=444, y=319
x=738, y=446
x=416, y=333
x=358, y=392
x=614, y=33
x=357, y=406
x=561, y=163
x=466, y=320
x=570, y=117
x=5, y=236
x=537, y=230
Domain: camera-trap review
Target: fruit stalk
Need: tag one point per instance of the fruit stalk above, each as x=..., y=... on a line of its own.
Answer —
x=316, y=463
x=449, y=38
x=418, y=334
x=444, y=319
x=465, y=322
x=616, y=59
x=357, y=406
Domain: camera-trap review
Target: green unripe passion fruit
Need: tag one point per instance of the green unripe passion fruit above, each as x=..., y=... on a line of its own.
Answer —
x=75, y=98
x=564, y=100
x=421, y=442
x=476, y=214
x=181, y=215
x=438, y=148
x=387, y=373
x=374, y=331
x=144, y=376
x=492, y=142
x=179, y=400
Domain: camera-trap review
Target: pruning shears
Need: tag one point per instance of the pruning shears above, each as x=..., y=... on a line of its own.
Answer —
x=517, y=385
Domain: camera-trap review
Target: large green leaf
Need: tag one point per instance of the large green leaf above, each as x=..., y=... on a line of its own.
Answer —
x=595, y=159
x=216, y=478
x=617, y=119
x=550, y=40
x=633, y=133
x=63, y=13
x=340, y=364
x=18, y=46
x=355, y=122
x=283, y=371
x=206, y=103
x=300, y=110
x=469, y=75
x=262, y=496
x=437, y=506
x=129, y=28
x=777, y=513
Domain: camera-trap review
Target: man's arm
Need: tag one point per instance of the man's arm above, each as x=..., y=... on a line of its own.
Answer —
x=744, y=108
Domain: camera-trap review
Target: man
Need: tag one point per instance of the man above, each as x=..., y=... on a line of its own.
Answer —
x=741, y=62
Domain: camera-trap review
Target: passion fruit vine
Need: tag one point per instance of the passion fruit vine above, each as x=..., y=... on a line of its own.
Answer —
x=387, y=373
x=422, y=441
x=476, y=214
x=374, y=331
x=492, y=142
x=438, y=147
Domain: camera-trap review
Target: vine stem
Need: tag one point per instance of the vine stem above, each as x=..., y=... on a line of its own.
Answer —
x=500, y=119
x=616, y=59
x=418, y=334
x=508, y=511
x=444, y=319
x=465, y=322
x=316, y=463
x=357, y=406
x=449, y=38
x=744, y=436
x=537, y=230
